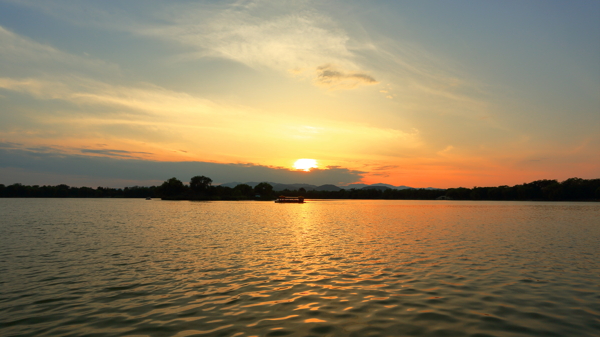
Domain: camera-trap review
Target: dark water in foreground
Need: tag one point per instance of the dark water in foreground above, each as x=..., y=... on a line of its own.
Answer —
x=101, y=267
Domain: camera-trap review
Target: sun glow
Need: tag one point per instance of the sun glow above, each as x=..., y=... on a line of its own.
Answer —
x=305, y=164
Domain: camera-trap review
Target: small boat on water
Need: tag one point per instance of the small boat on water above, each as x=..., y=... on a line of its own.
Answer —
x=289, y=200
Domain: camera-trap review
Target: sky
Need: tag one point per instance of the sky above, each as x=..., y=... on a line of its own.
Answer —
x=423, y=94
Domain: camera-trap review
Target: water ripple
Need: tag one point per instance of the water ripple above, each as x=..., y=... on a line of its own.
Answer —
x=343, y=268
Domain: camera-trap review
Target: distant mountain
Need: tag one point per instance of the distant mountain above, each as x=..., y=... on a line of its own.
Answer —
x=356, y=186
x=276, y=186
x=326, y=187
x=235, y=183
x=362, y=186
x=280, y=187
x=291, y=187
x=376, y=187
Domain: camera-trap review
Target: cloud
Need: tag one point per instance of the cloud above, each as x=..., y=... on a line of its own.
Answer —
x=22, y=56
x=81, y=168
x=290, y=37
x=293, y=37
x=79, y=90
x=10, y=145
x=81, y=100
x=114, y=153
x=149, y=119
x=329, y=76
x=47, y=73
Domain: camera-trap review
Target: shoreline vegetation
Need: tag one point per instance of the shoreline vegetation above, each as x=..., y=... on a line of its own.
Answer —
x=201, y=188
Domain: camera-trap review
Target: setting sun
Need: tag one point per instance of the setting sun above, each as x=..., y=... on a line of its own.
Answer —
x=305, y=164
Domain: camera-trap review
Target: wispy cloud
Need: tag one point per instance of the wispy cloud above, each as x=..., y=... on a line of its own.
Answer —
x=262, y=34
x=138, y=116
x=78, y=90
x=48, y=73
x=23, y=56
x=294, y=37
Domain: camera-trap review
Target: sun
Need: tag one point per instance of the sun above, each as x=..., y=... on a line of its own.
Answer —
x=305, y=164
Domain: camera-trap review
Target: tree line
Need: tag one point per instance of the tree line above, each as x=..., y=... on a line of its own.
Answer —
x=201, y=188
x=572, y=189
x=65, y=191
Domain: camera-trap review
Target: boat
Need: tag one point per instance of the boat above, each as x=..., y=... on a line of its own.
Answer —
x=148, y=198
x=290, y=200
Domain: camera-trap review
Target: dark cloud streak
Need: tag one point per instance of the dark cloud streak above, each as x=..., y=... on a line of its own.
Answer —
x=114, y=153
x=126, y=169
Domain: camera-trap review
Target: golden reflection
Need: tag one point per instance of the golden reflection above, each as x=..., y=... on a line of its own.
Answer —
x=306, y=306
x=201, y=332
x=271, y=319
x=314, y=320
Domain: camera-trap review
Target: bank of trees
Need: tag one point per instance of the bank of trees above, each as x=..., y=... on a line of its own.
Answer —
x=573, y=189
x=406, y=194
x=201, y=188
x=65, y=191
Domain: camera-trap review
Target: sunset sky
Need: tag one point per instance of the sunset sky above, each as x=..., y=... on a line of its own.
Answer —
x=416, y=93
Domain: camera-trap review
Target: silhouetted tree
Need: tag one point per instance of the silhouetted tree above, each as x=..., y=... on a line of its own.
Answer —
x=460, y=193
x=265, y=190
x=200, y=185
x=62, y=191
x=244, y=190
x=220, y=193
x=172, y=188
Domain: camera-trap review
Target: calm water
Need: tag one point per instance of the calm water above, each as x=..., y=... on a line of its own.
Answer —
x=101, y=267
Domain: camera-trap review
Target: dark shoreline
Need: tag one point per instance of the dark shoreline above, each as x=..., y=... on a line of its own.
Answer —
x=573, y=189
x=307, y=199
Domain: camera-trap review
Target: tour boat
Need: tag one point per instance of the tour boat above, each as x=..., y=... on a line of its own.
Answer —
x=284, y=199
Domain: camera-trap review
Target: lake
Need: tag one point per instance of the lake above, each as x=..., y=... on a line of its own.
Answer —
x=131, y=267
